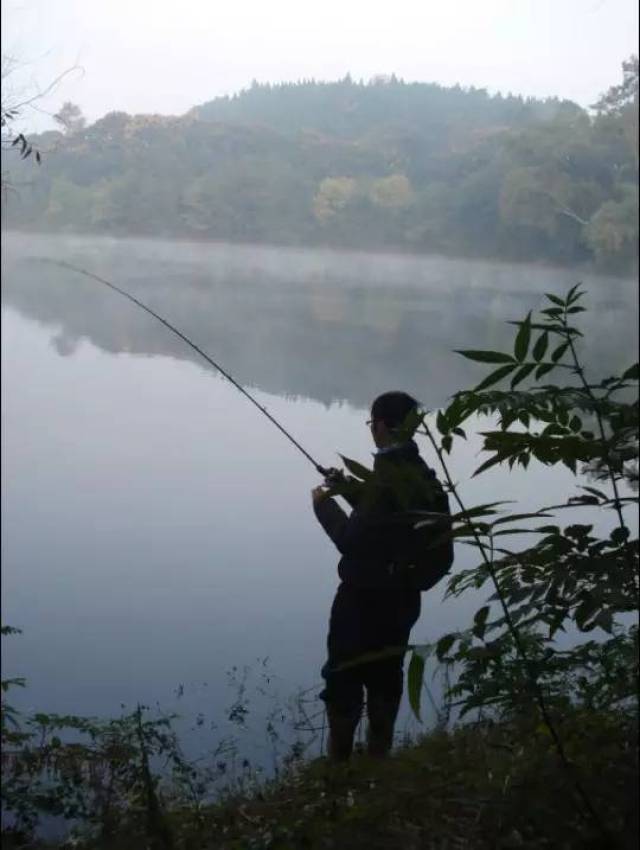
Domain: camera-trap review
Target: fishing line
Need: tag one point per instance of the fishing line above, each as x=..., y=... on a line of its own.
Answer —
x=63, y=264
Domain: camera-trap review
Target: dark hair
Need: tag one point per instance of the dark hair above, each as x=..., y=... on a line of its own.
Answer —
x=393, y=408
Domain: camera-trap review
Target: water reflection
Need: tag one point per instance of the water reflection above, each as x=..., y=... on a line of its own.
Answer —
x=320, y=325
x=156, y=531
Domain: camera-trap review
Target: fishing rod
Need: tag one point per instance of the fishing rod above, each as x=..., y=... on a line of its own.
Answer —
x=326, y=473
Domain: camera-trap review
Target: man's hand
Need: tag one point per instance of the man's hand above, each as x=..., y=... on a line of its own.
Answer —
x=334, y=477
x=318, y=494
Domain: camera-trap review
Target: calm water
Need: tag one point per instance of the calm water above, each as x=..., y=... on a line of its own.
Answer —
x=157, y=530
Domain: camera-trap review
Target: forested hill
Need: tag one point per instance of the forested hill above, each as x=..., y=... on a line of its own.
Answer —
x=383, y=165
x=351, y=110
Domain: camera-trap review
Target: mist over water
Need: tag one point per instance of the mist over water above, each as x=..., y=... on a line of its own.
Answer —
x=323, y=325
x=157, y=530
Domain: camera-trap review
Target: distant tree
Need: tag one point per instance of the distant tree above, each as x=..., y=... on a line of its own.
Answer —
x=393, y=192
x=332, y=197
x=70, y=118
x=612, y=233
x=620, y=104
x=618, y=98
x=384, y=164
x=532, y=197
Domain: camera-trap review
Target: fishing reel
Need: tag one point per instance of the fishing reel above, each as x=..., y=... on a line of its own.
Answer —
x=333, y=476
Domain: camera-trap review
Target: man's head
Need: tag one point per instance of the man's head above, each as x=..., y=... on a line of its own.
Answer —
x=388, y=412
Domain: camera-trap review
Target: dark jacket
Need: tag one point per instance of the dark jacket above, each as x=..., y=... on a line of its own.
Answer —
x=375, y=605
x=375, y=546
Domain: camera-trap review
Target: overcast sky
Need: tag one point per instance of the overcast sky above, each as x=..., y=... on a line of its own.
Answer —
x=166, y=56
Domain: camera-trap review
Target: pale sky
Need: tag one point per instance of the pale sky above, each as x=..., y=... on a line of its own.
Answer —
x=141, y=56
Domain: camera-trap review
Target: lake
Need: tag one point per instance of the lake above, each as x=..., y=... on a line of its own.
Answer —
x=157, y=530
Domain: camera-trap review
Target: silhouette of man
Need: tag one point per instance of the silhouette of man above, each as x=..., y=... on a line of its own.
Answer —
x=376, y=604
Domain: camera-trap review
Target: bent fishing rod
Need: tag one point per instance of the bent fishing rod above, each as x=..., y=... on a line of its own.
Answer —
x=326, y=473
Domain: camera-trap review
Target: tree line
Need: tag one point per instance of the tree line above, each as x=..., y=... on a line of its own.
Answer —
x=380, y=165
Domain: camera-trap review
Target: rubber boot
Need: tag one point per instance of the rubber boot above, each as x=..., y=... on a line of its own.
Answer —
x=342, y=728
x=382, y=713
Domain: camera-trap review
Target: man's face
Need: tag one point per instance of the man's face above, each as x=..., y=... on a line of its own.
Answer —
x=379, y=432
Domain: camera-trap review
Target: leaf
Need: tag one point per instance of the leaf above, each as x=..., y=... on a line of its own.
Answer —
x=584, y=500
x=595, y=492
x=441, y=422
x=540, y=347
x=497, y=458
x=459, y=432
x=605, y=621
x=585, y=612
x=494, y=377
x=576, y=310
x=619, y=535
x=480, y=621
x=446, y=443
x=486, y=356
x=444, y=645
x=479, y=510
x=480, y=652
x=521, y=345
x=543, y=369
x=521, y=374
x=559, y=352
x=632, y=373
x=518, y=517
x=415, y=678
x=356, y=468
x=13, y=683
x=573, y=294
x=554, y=299
x=575, y=423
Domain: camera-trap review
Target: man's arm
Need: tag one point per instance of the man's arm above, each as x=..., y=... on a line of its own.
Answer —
x=331, y=517
x=353, y=535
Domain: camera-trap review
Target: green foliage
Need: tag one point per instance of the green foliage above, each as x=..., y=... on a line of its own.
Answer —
x=507, y=662
x=86, y=769
x=410, y=166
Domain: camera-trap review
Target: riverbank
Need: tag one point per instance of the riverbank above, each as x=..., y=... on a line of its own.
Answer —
x=364, y=252
x=481, y=785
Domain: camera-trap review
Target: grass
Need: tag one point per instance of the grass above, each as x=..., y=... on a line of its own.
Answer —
x=482, y=785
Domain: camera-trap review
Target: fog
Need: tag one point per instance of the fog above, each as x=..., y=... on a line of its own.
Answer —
x=164, y=57
x=332, y=326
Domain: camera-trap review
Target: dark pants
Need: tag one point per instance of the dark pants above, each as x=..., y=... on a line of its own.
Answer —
x=365, y=620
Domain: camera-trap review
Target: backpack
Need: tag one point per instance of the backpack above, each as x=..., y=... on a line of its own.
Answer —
x=422, y=553
x=425, y=563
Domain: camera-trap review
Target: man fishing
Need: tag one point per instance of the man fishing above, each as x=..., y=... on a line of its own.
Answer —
x=385, y=561
x=384, y=565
